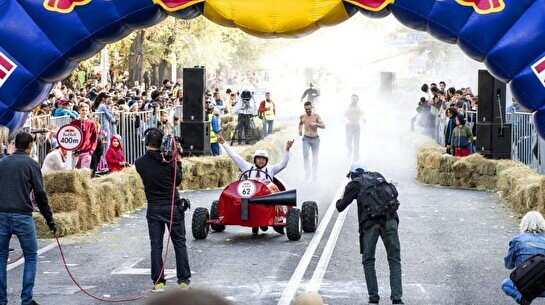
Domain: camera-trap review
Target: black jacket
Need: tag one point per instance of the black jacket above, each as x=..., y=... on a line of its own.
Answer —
x=351, y=192
x=158, y=177
x=19, y=176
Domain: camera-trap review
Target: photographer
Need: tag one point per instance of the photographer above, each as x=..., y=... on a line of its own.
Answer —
x=246, y=109
x=158, y=178
x=20, y=176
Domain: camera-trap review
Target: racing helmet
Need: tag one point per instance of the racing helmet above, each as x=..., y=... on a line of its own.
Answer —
x=356, y=169
x=261, y=153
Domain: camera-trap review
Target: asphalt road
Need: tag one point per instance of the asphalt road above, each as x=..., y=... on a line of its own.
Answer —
x=453, y=243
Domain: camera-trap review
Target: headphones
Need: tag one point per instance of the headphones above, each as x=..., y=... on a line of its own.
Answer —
x=153, y=137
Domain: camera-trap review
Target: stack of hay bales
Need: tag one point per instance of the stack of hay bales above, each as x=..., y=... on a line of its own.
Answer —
x=522, y=187
x=72, y=203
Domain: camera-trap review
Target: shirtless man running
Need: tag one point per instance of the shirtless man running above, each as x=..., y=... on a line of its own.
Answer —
x=311, y=122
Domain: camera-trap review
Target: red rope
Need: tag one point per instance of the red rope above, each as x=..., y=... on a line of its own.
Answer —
x=145, y=294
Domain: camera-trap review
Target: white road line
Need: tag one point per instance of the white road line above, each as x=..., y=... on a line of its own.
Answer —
x=40, y=252
x=299, y=272
x=128, y=269
x=319, y=272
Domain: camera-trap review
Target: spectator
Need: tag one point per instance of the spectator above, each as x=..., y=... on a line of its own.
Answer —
x=451, y=114
x=107, y=118
x=114, y=156
x=461, y=137
x=530, y=241
x=187, y=297
x=57, y=159
x=215, y=129
x=65, y=109
x=267, y=112
x=89, y=139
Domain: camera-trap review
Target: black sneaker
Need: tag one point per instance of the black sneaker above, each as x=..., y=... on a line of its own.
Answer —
x=397, y=302
x=373, y=302
x=33, y=303
x=524, y=301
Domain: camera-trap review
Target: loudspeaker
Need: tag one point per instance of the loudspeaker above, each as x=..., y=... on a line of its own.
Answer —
x=492, y=96
x=194, y=87
x=386, y=81
x=494, y=140
x=196, y=137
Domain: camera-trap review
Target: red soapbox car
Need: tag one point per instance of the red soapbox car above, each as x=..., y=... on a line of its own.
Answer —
x=257, y=204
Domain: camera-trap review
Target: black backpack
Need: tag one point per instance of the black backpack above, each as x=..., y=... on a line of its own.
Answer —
x=377, y=196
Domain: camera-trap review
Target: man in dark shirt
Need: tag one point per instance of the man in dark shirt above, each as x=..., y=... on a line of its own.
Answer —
x=311, y=93
x=159, y=182
x=370, y=228
x=21, y=175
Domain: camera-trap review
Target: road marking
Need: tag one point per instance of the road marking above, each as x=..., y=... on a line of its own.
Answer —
x=299, y=272
x=40, y=252
x=319, y=272
x=127, y=269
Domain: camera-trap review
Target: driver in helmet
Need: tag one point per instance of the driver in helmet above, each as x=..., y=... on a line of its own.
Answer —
x=261, y=158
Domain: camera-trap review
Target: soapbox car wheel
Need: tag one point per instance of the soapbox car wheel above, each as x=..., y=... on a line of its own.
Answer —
x=199, y=227
x=293, y=224
x=214, y=215
x=309, y=214
x=244, y=175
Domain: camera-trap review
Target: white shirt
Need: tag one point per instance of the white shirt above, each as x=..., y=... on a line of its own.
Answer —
x=244, y=165
x=53, y=162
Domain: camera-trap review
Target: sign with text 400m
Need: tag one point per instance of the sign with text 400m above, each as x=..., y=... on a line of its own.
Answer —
x=69, y=137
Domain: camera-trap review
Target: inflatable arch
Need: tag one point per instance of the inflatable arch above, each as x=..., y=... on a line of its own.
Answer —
x=42, y=41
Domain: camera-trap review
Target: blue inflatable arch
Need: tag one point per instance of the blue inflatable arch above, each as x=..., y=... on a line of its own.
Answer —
x=42, y=41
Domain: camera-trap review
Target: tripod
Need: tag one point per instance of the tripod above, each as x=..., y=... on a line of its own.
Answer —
x=246, y=126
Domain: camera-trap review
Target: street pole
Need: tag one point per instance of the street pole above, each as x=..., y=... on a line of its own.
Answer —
x=174, y=67
x=104, y=66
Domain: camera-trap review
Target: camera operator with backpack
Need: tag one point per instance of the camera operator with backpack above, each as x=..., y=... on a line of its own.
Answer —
x=377, y=216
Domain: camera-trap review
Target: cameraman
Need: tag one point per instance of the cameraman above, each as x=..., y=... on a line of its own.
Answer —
x=246, y=109
x=158, y=178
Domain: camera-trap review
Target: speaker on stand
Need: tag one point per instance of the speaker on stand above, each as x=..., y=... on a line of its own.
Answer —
x=194, y=88
x=196, y=137
x=493, y=135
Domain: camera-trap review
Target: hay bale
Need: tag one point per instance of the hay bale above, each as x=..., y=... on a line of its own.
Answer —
x=67, y=224
x=66, y=202
x=67, y=181
x=446, y=163
x=485, y=182
x=433, y=161
x=462, y=168
x=107, y=196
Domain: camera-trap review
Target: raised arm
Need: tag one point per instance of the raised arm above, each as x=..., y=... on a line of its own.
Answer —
x=242, y=164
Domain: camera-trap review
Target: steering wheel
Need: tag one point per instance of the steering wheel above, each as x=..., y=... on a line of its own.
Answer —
x=255, y=169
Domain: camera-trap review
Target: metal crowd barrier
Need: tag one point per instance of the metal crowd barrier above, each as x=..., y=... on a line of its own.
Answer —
x=527, y=147
x=129, y=125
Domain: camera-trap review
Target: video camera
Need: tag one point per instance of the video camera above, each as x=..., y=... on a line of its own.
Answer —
x=171, y=146
x=246, y=95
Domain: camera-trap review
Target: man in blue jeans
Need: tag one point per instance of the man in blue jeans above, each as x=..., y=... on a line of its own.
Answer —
x=371, y=227
x=530, y=241
x=21, y=175
x=310, y=122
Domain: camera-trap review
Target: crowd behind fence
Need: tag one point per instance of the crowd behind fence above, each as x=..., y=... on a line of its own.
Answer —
x=526, y=145
x=130, y=126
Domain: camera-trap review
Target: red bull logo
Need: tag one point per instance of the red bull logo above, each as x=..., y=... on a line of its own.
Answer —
x=63, y=6
x=175, y=5
x=484, y=6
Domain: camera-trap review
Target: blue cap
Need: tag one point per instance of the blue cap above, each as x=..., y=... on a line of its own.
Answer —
x=357, y=165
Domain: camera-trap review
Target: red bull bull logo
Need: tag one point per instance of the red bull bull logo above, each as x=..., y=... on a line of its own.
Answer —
x=484, y=6
x=63, y=6
x=371, y=5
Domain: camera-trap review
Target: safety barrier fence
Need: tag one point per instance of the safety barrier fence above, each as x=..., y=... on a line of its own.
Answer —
x=526, y=145
x=130, y=126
